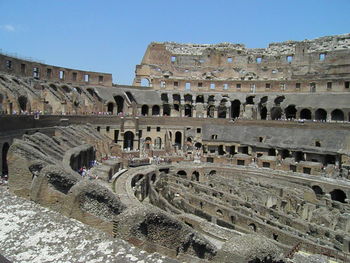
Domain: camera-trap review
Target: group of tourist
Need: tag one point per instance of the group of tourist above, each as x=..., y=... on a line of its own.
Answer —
x=86, y=172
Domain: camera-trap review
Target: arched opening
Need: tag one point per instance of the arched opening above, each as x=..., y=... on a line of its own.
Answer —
x=166, y=110
x=158, y=143
x=222, y=110
x=178, y=139
x=110, y=107
x=148, y=142
x=252, y=226
x=155, y=110
x=338, y=195
x=66, y=89
x=153, y=178
x=291, y=112
x=200, y=99
x=279, y=100
x=318, y=190
x=198, y=145
x=235, y=109
x=176, y=98
x=164, y=97
x=135, y=179
x=337, y=115
x=285, y=154
x=272, y=152
x=305, y=114
x=210, y=111
x=145, y=82
x=321, y=115
x=119, y=100
x=128, y=140
x=250, y=100
x=188, y=98
x=182, y=174
x=22, y=101
x=144, y=110
x=5, y=149
x=221, y=150
x=195, y=176
x=276, y=113
x=188, y=110
x=90, y=91
x=212, y=172
x=53, y=86
x=219, y=213
x=263, y=113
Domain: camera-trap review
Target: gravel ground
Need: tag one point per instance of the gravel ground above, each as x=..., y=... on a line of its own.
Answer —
x=31, y=233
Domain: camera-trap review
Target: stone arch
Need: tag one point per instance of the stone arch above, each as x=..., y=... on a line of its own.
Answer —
x=135, y=179
x=188, y=98
x=321, y=115
x=119, y=100
x=4, y=167
x=263, y=113
x=182, y=174
x=128, y=140
x=317, y=190
x=276, y=113
x=178, y=139
x=338, y=195
x=210, y=111
x=90, y=91
x=219, y=213
x=212, y=172
x=222, y=109
x=110, y=107
x=23, y=101
x=291, y=112
x=148, y=142
x=285, y=154
x=158, y=143
x=249, y=100
x=155, y=110
x=145, y=82
x=198, y=145
x=153, y=178
x=252, y=226
x=211, y=99
x=188, y=110
x=164, y=97
x=195, y=176
x=337, y=115
x=279, y=100
x=177, y=98
x=144, y=110
x=166, y=110
x=53, y=86
x=305, y=114
x=65, y=88
x=235, y=109
x=200, y=99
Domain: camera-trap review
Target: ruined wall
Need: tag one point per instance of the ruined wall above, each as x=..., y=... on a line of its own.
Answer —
x=292, y=66
x=37, y=70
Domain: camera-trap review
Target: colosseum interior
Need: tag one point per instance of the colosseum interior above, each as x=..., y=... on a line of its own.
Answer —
x=216, y=153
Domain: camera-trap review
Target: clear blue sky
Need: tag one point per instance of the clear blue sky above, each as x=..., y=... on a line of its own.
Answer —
x=112, y=36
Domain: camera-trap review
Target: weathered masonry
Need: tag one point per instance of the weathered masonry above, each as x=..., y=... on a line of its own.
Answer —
x=250, y=148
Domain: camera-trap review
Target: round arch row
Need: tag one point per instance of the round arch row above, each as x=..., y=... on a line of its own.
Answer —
x=319, y=114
